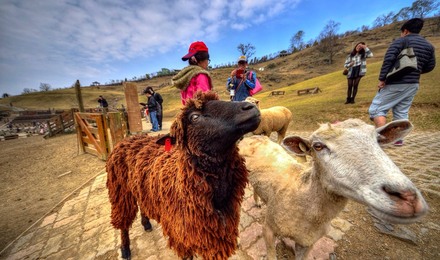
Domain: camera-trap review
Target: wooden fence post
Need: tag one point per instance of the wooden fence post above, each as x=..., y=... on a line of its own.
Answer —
x=133, y=109
x=49, y=127
x=79, y=96
x=62, y=123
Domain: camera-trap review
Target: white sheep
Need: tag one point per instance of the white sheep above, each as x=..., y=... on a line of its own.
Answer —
x=347, y=163
x=273, y=119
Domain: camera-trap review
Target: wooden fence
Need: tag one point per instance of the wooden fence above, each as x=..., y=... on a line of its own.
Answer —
x=59, y=123
x=49, y=123
x=99, y=132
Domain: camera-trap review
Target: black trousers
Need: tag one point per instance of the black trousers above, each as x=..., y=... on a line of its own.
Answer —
x=353, y=84
x=159, y=117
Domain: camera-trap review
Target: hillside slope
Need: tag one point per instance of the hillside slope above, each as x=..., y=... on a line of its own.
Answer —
x=304, y=69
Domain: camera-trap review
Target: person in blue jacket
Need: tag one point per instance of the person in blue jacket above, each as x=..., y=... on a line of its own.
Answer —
x=241, y=81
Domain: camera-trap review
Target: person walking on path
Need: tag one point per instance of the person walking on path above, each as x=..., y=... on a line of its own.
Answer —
x=356, y=63
x=152, y=106
x=397, y=93
x=195, y=76
x=159, y=101
x=241, y=81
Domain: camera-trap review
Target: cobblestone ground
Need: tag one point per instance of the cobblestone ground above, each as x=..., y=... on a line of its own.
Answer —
x=81, y=229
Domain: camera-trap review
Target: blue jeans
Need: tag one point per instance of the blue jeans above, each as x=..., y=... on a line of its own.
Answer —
x=397, y=97
x=153, y=120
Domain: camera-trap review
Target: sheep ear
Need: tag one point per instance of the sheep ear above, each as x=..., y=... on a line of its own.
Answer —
x=297, y=145
x=163, y=139
x=393, y=131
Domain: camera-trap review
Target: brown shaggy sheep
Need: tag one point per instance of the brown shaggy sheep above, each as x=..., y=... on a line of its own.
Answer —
x=194, y=190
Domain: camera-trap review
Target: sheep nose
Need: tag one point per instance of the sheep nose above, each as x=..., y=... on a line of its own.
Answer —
x=407, y=202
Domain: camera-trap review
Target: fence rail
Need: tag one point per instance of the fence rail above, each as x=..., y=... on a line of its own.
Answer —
x=99, y=132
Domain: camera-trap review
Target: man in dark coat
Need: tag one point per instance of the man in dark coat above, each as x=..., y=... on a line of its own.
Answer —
x=397, y=92
x=103, y=103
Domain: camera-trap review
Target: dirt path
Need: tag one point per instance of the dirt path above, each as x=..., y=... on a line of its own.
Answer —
x=37, y=174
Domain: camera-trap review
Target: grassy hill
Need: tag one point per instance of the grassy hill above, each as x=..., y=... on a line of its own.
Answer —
x=304, y=69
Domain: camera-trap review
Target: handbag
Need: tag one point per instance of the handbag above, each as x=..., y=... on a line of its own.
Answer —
x=345, y=71
x=406, y=62
x=257, y=87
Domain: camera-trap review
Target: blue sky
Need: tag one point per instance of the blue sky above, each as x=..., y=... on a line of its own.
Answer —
x=59, y=41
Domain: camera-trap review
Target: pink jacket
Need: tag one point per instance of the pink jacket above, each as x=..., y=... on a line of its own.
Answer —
x=199, y=82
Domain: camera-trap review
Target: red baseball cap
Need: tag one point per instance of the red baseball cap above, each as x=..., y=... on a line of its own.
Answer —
x=194, y=48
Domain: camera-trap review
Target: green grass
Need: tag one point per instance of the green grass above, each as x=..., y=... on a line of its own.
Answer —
x=328, y=105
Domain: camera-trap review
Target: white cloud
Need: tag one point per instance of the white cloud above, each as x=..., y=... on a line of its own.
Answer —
x=75, y=37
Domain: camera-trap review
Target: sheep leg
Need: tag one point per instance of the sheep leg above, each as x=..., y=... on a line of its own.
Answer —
x=282, y=134
x=270, y=242
x=125, y=244
x=146, y=223
x=267, y=133
x=301, y=252
x=289, y=244
x=257, y=200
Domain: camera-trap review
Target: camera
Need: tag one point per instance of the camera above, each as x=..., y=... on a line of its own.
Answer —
x=239, y=73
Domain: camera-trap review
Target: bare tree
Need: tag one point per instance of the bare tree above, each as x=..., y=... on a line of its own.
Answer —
x=421, y=8
x=45, y=87
x=384, y=19
x=404, y=14
x=297, y=42
x=29, y=90
x=247, y=50
x=328, y=43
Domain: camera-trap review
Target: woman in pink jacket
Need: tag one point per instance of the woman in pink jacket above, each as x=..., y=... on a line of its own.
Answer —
x=194, y=77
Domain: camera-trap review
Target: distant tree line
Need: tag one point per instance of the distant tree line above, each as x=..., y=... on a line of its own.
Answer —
x=327, y=40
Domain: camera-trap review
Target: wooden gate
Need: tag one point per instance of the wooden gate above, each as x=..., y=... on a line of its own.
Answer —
x=98, y=133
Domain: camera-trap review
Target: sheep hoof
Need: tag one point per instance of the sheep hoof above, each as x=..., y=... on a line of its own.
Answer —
x=146, y=224
x=148, y=227
x=126, y=253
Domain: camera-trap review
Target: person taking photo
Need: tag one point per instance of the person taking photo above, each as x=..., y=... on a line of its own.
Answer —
x=241, y=81
x=356, y=63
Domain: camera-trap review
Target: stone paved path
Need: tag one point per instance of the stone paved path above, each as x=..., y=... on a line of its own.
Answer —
x=80, y=228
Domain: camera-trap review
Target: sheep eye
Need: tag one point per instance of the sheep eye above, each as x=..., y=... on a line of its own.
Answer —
x=194, y=117
x=318, y=146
